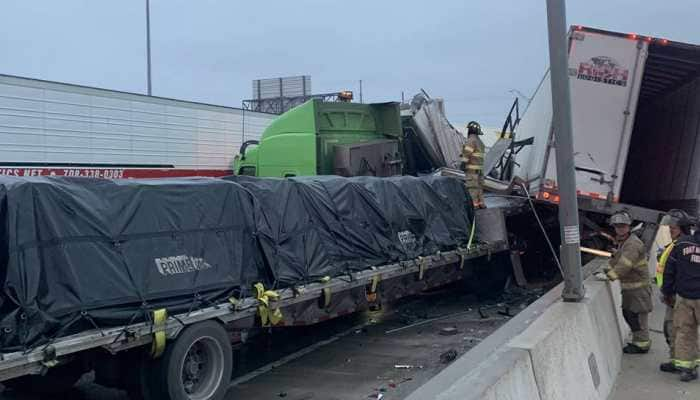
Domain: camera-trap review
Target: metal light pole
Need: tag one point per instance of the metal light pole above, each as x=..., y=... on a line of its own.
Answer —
x=148, y=45
x=361, y=91
x=570, y=252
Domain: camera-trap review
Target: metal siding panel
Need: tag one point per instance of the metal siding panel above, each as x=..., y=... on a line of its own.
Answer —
x=51, y=122
x=536, y=123
x=291, y=86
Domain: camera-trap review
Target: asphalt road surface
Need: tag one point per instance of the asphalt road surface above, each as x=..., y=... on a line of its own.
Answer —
x=374, y=355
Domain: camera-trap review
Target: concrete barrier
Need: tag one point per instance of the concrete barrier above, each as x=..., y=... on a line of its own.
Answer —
x=507, y=377
x=551, y=350
x=575, y=347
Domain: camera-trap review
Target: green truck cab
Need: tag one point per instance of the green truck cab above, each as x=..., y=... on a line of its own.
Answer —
x=327, y=138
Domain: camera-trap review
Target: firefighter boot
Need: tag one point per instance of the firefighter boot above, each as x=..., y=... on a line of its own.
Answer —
x=688, y=374
x=632, y=348
x=669, y=367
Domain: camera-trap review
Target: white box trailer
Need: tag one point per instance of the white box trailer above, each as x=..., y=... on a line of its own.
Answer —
x=51, y=128
x=636, y=122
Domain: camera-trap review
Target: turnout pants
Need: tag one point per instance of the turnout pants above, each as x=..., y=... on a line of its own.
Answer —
x=636, y=306
x=639, y=324
x=669, y=333
x=475, y=186
x=686, y=318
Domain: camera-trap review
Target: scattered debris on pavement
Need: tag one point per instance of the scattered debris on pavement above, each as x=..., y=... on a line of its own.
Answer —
x=448, y=356
x=449, y=331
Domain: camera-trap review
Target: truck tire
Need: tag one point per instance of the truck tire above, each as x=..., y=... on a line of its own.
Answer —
x=147, y=380
x=198, y=365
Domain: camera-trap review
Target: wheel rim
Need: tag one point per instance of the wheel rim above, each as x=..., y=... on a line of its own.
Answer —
x=202, y=368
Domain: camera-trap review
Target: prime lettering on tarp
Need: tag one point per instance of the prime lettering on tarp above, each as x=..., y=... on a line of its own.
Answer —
x=180, y=265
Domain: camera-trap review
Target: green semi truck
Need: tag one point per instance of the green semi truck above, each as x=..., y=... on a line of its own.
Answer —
x=327, y=138
x=351, y=139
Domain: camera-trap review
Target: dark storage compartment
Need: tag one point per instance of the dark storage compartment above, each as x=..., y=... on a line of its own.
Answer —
x=663, y=165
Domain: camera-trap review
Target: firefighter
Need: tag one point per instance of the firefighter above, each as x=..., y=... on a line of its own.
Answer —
x=473, y=163
x=629, y=265
x=679, y=225
x=681, y=287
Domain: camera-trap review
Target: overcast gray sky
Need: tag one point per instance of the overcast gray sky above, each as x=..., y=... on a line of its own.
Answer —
x=471, y=52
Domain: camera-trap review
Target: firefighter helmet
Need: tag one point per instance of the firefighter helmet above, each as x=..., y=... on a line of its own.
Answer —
x=621, y=218
x=473, y=128
x=677, y=218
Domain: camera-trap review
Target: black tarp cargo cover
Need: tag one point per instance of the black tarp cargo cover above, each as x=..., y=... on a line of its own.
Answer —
x=80, y=253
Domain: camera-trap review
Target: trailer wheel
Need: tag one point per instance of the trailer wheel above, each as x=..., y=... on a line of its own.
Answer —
x=197, y=366
x=146, y=382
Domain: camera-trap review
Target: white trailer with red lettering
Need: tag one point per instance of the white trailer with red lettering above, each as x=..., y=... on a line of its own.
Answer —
x=50, y=128
x=635, y=105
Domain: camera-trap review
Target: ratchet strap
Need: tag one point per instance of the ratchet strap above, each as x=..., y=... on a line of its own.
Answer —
x=327, y=293
x=375, y=283
x=421, y=268
x=268, y=316
x=160, y=316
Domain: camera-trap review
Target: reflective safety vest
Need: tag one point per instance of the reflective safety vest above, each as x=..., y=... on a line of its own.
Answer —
x=661, y=264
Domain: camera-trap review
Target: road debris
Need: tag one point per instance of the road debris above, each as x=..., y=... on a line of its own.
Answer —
x=506, y=312
x=449, y=331
x=427, y=321
x=407, y=366
x=448, y=356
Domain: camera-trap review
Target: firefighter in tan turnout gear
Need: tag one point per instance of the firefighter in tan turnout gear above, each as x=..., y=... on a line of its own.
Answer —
x=681, y=287
x=679, y=225
x=629, y=265
x=473, y=163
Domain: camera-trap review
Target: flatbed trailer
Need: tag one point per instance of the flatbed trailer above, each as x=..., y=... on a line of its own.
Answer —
x=111, y=351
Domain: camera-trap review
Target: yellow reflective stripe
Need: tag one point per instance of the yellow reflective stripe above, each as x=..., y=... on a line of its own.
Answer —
x=625, y=261
x=685, y=364
x=475, y=167
x=633, y=285
x=478, y=155
x=661, y=265
x=159, y=338
x=642, y=345
x=468, y=148
x=612, y=275
x=665, y=255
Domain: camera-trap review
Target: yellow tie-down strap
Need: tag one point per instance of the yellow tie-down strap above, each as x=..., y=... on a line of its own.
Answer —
x=268, y=316
x=160, y=316
x=375, y=283
x=421, y=268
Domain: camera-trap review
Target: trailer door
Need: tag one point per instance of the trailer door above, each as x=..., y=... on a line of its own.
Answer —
x=605, y=73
